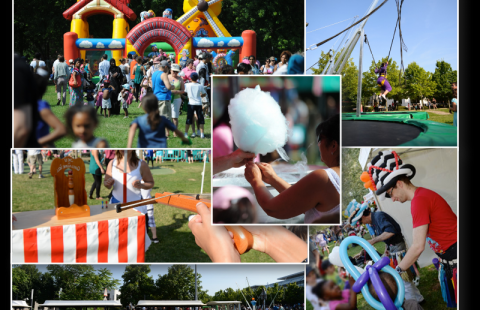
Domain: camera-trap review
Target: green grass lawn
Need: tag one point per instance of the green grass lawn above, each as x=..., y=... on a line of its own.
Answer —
x=115, y=128
x=429, y=286
x=177, y=243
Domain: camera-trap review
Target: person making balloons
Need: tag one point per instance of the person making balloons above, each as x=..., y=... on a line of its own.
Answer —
x=387, y=230
x=434, y=221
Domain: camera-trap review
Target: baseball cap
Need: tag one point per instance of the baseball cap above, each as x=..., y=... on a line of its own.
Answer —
x=126, y=86
x=164, y=63
x=194, y=75
x=175, y=67
x=71, y=61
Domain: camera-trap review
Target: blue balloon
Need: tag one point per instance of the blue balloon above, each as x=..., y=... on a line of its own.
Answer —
x=380, y=264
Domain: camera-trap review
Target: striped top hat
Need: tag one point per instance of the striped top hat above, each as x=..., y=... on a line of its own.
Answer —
x=383, y=172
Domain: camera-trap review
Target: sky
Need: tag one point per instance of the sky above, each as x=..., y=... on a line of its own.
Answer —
x=429, y=30
x=217, y=277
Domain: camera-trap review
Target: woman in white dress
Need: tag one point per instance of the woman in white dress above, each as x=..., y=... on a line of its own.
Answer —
x=317, y=194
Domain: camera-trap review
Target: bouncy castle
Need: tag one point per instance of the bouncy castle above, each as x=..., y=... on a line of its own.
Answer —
x=197, y=29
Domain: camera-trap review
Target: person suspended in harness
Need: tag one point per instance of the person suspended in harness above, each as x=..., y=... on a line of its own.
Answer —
x=382, y=80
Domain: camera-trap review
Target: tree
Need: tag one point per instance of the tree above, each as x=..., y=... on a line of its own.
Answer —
x=178, y=283
x=294, y=294
x=137, y=284
x=443, y=77
x=418, y=82
x=349, y=75
x=20, y=283
x=352, y=186
x=81, y=282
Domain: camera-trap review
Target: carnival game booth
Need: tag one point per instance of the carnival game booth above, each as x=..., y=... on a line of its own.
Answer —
x=73, y=232
x=223, y=305
x=80, y=304
x=19, y=305
x=198, y=28
x=169, y=303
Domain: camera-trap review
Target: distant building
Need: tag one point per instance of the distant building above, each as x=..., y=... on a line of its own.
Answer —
x=113, y=295
x=298, y=278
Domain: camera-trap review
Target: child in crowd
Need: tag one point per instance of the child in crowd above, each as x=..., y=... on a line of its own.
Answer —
x=106, y=102
x=125, y=97
x=81, y=122
x=311, y=281
x=143, y=92
x=195, y=93
x=90, y=90
x=99, y=99
x=152, y=126
x=336, y=298
x=332, y=274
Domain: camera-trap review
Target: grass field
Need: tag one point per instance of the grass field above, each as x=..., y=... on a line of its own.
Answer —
x=177, y=243
x=429, y=286
x=115, y=128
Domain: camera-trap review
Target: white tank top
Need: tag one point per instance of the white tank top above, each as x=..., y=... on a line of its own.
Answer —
x=132, y=192
x=313, y=214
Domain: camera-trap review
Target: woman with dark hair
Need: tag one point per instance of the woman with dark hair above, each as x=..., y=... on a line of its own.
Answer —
x=243, y=68
x=76, y=94
x=317, y=194
x=382, y=80
x=116, y=78
x=284, y=58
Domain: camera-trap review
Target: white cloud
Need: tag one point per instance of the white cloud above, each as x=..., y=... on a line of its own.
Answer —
x=100, y=45
x=115, y=44
x=221, y=43
x=234, y=42
x=205, y=43
x=85, y=44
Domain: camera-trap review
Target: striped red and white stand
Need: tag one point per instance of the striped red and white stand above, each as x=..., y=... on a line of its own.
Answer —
x=122, y=240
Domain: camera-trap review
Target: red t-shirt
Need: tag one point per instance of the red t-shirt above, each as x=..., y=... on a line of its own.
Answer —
x=430, y=208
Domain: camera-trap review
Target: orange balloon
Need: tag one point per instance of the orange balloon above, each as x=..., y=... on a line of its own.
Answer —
x=365, y=176
x=372, y=187
x=368, y=184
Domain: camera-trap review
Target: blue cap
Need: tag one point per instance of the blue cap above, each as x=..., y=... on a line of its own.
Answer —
x=194, y=74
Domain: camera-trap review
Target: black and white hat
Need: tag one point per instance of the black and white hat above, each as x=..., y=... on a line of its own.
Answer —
x=385, y=169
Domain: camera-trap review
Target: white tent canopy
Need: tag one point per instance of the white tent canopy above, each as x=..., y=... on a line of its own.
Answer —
x=436, y=169
x=80, y=303
x=170, y=303
x=20, y=304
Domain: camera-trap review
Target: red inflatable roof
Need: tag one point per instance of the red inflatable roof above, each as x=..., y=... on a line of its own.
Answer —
x=121, y=5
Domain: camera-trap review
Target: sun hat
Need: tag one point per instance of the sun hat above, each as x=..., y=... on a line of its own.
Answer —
x=126, y=86
x=354, y=211
x=156, y=60
x=175, y=67
x=70, y=61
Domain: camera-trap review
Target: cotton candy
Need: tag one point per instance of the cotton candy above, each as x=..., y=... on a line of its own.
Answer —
x=258, y=125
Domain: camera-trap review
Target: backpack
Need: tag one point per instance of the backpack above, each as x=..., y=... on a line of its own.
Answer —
x=75, y=80
x=130, y=98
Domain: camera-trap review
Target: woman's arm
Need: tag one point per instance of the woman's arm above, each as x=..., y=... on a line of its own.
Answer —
x=297, y=199
x=59, y=129
x=279, y=243
x=108, y=181
x=166, y=81
x=352, y=303
x=131, y=134
x=95, y=154
x=147, y=177
x=269, y=176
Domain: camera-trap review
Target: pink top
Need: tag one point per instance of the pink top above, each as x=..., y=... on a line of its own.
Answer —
x=109, y=154
x=345, y=300
x=222, y=140
x=188, y=72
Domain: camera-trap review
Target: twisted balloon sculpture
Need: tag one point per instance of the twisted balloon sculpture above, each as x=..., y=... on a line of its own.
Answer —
x=371, y=273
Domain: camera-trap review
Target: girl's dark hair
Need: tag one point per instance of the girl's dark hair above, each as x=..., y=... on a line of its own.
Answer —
x=79, y=108
x=38, y=55
x=319, y=289
x=329, y=129
x=300, y=231
x=133, y=159
x=240, y=211
x=227, y=69
x=138, y=59
x=366, y=212
x=42, y=83
x=242, y=67
x=150, y=104
x=383, y=64
x=78, y=60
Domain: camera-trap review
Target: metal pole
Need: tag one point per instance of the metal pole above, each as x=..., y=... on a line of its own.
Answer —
x=31, y=301
x=359, y=90
x=196, y=296
x=203, y=173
